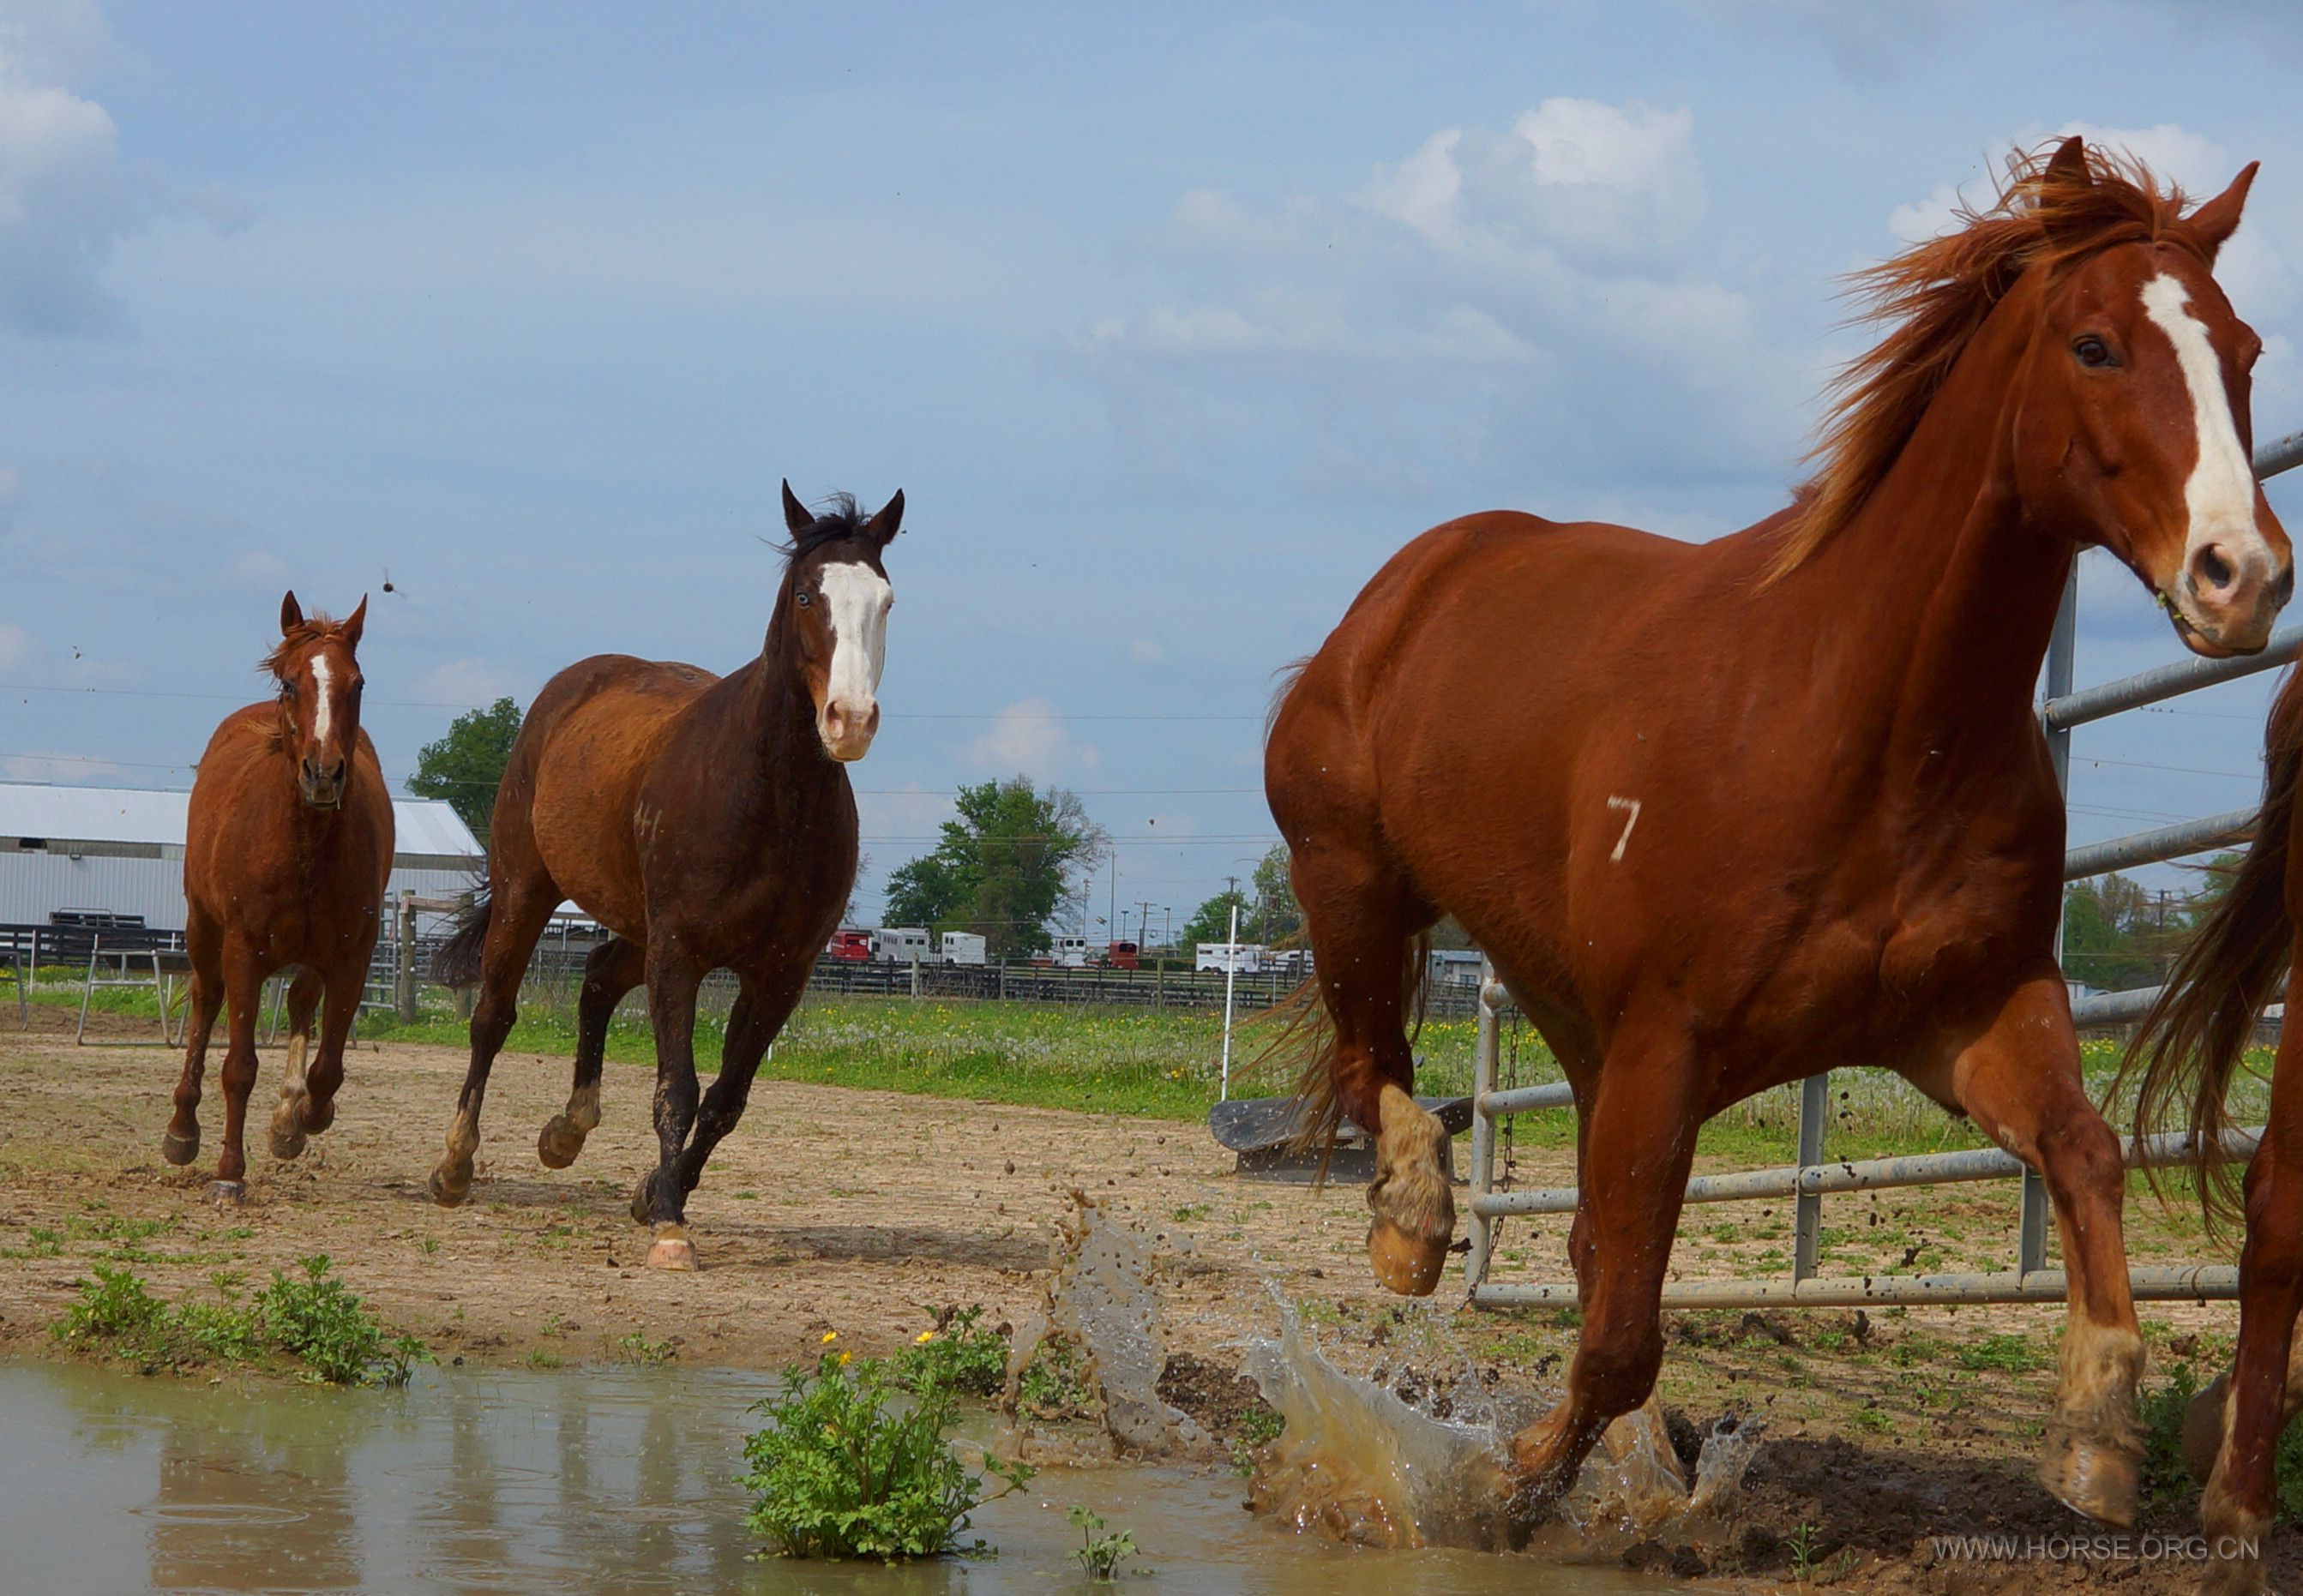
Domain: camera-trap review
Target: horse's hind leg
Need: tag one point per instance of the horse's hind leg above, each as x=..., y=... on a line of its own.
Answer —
x=610, y=970
x=516, y=912
x=303, y=1007
x=2237, y=1509
x=1634, y=1147
x=1363, y=923
x=180, y=1143
x=2020, y=1080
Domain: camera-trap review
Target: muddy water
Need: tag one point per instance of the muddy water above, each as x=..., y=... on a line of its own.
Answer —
x=577, y=1480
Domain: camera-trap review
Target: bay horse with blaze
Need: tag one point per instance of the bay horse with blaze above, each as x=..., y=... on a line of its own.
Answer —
x=287, y=854
x=707, y=823
x=1725, y=815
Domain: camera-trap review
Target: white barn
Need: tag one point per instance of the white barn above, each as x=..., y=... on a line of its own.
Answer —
x=121, y=850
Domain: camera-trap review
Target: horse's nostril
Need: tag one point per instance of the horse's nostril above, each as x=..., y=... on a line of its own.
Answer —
x=2214, y=569
x=2283, y=589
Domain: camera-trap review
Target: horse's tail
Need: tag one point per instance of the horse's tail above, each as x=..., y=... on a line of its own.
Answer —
x=1307, y=1041
x=458, y=961
x=2188, y=1047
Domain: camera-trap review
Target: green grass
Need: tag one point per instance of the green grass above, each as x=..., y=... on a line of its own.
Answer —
x=309, y=1317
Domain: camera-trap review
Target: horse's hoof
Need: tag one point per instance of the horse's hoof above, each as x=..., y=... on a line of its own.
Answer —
x=644, y=1199
x=672, y=1250
x=287, y=1141
x=314, y=1116
x=2094, y=1478
x=448, y=1193
x=2203, y=1428
x=559, y=1142
x=180, y=1150
x=1405, y=1265
x=2232, y=1576
x=227, y=1194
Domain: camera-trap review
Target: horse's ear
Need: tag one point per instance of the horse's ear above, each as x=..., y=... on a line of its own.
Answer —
x=292, y=613
x=2069, y=164
x=798, y=516
x=883, y=527
x=354, y=622
x=2216, y=220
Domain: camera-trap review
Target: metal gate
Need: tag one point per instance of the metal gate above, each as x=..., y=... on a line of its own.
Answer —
x=1812, y=1178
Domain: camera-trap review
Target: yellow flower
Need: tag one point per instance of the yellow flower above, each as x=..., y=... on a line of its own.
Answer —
x=845, y=1358
x=923, y=1338
x=829, y=1336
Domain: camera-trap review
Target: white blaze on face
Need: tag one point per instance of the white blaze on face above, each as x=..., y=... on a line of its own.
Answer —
x=325, y=713
x=859, y=598
x=2220, y=494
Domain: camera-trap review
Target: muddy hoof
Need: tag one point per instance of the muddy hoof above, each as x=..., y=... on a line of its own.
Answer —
x=559, y=1142
x=1405, y=1265
x=672, y=1250
x=287, y=1140
x=180, y=1150
x=447, y=1193
x=2203, y=1428
x=315, y=1116
x=644, y=1199
x=2093, y=1478
x=227, y=1194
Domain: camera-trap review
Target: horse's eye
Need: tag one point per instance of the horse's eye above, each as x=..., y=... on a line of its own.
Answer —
x=2093, y=353
x=805, y=601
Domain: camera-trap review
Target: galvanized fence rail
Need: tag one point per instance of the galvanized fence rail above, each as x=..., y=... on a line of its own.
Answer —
x=1809, y=1179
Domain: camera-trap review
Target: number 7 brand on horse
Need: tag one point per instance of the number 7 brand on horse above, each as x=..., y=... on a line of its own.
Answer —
x=707, y=822
x=1725, y=815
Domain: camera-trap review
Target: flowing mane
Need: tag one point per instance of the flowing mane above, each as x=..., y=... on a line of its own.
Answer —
x=316, y=627
x=1938, y=294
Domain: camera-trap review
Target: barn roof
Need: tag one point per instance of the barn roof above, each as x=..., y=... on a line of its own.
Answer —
x=421, y=826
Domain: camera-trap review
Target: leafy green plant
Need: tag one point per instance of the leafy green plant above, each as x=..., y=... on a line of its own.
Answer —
x=959, y=1353
x=636, y=1348
x=318, y=1318
x=1054, y=1385
x=2165, y=1479
x=314, y=1319
x=845, y=1470
x=1803, y=1543
x=1259, y=1427
x=1101, y=1554
x=2015, y=1354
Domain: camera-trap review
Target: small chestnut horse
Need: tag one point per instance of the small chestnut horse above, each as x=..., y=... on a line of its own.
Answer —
x=707, y=822
x=2185, y=1054
x=286, y=856
x=1727, y=814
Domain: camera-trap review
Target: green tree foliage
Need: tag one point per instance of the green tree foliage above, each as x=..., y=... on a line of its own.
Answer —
x=1004, y=866
x=1269, y=914
x=2118, y=934
x=466, y=765
x=1212, y=920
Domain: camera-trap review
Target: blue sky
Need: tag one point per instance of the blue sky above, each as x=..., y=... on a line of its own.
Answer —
x=1171, y=324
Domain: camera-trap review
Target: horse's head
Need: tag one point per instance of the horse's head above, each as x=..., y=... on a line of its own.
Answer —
x=319, y=698
x=835, y=603
x=2135, y=423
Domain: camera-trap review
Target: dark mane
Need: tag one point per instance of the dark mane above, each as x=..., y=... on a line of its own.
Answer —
x=1937, y=295
x=315, y=628
x=836, y=517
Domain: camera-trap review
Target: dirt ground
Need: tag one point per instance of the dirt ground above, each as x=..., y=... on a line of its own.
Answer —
x=867, y=1212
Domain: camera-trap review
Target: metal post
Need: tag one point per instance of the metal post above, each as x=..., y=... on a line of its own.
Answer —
x=1806, y=1208
x=1486, y=1050
x=1231, y=971
x=405, y=986
x=2063, y=649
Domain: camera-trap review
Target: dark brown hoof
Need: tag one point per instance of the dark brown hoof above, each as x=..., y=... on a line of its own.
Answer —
x=1404, y=1265
x=2092, y=1477
x=2202, y=1428
x=672, y=1250
x=227, y=1194
x=180, y=1150
x=450, y=1193
x=559, y=1142
x=286, y=1136
x=643, y=1200
x=315, y=1116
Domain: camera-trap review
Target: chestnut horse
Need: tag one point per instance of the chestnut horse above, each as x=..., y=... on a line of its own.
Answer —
x=287, y=852
x=704, y=820
x=2184, y=1054
x=1725, y=815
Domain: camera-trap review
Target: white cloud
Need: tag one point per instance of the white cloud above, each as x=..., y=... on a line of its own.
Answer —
x=1142, y=649
x=1028, y=738
x=63, y=199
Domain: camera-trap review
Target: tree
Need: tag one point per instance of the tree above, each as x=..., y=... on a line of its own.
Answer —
x=1211, y=921
x=467, y=765
x=1278, y=915
x=1003, y=866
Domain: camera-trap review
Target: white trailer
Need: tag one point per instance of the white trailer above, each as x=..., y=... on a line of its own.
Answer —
x=1240, y=958
x=901, y=945
x=962, y=947
x=1069, y=953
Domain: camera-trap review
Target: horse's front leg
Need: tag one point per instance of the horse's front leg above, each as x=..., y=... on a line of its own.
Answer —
x=661, y=1199
x=1635, y=1146
x=762, y=1006
x=243, y=978
x=2018, y=1077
